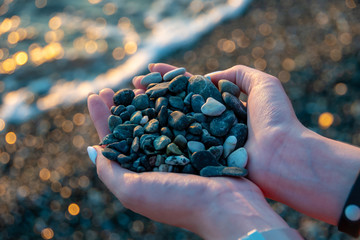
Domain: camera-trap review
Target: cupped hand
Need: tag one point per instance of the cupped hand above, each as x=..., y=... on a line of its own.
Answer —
x=214, y=208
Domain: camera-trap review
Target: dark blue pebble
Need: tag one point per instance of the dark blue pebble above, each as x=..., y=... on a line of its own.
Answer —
x=236, y=105
x=203, y=86
x=163, y=116
x=202, y=159
x=123, y=97
x=240, y=131
x=221, y=125
x=140, y=101
x=122, y=159
x=113, y=121
x=196, y=102
x=124, y=131
x=121, y=146
x=110, y=154
x=176, y=103
x=178, y=84
x=167, y=132
x=178, y=120
x=161, y=101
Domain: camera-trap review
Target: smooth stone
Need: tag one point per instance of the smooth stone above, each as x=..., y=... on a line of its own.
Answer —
x=173, y=73
x=221, y=125
x=121, y=146
x=176, y=102
x=219, y=171
x=110, y=138
x=236, y=105
x=110, y=154
x=177, y=160
x=187, y=99
x=195, y=128
x=123, y=97
x=151, y=85
x=152, y=103
x=163, y=116
x=159, y=160
x=229, y=145
x=212, y=107
x=202, y=159
x=122, y=158
x=191, y=137
x=210, y=141
x=189, y=169
x=124, y=131
x=180, y=141
x=190, y=118
x=199, y=117
x=118, y=110
x=227, y=86
x=144, y=120
x=182, y=94
x=167, y=132
x=145, y=163
x=152, y=126
x=136, y=163
x=154, y=77
x=131, y=109
x=178, y=84
x=138, y=131
x=140, y=169
x=203, y=86
x=196, y=102
x=173, y=149
x=112, y=109
x=135, y=144
x=161, y=142
x=125, y=116
x=178, y=120
x=113, y=121
x=136, y=117
x=159, y=90
x=140, y=101
x=150, y=112
x=146, y=142
x=179, y=132
x=164, y=168
x=217, y=151
x=238, y=158
x=240, y=131
x=195, y=146
x=161, y=101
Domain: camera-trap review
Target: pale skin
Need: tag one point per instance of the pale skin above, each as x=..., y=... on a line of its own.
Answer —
x=288, y=162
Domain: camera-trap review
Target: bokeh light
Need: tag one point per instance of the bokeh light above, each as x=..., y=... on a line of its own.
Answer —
x=2, y=124
x=74, y=209
x=44, y=174
x=118, y=53
x=47, y=233
x=55, y=23
x=130, y=47
x=10, y=138
x=21, y=58
x=326, y=119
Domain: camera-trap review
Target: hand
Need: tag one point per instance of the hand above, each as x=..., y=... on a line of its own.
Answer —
x=214, y=208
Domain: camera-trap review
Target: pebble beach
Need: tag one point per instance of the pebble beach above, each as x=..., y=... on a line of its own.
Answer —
x=49, y=188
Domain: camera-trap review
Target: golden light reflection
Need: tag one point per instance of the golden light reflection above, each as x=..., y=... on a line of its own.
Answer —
x=9, y=65
x=40, y=3
x=130, y=47
x=13, y=37
x=326, y=119
x=91, y=47
x=2, y=124
x=22, y=33
x=44, y=174
x=94, y=1
x=74, y=209
x=15, y=21
x=118, y=53
x=21, y=58
x=340, y=89
x=79, y=119
x=55, y=23
x=109, y=8
x=10, y=137
x=5, y=25
x=67, y=126
x=47, y=233
x=65, y=192
x=288, y=64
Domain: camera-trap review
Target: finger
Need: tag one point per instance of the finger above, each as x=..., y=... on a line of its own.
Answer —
x=137, y=82
x=99, y=113
x=163, y=68
x=138, y=91
x=107, y=95
x=244, y=77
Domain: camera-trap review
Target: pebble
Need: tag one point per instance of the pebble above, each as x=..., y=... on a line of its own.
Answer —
x=203, y=86
x=210, y=141
x=191, y=137
x=187, y=99
x=125, y=116
x=179, y=132
x=173, y=149
x=119, y=109
x=124, y=131
x=229, y=145
x=159, y=90
x=131, y=109
x=151, y=85
x=238, y=158
x=163, y=116
x=110, y=138
x=121, y=146
x=240, y=131
x=180, y=141
x=196, y=102
x=136, y=117
x=152, y=126
x=178, y=120
x=218, y=171
x=146, y=142
x=201, y=159
x=150, y=112
x=167, y=132
x=135, y=144
x=236, y=105
x=138, y=131
x=161, y=101
x=173, y=73
x=110, y=153
x=212, y=107
x=217, y=151
x=195, y=128
x=177, y=160
x=164, y=168
x=113, y=121
x=159, y=160
x=122, y=158
x=144, y=120
x=227, y=86
x=176, y=102
x=154, y=77
x=189, y=169
x=145, y=162
x=221, y=125
x=161, y=142
x=178, y=84
x=195, y=146
x=123, y=97
x=140, y=101
x=199, y=117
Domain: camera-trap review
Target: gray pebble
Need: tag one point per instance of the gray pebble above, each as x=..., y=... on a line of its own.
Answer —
x=161, y=101
x=182, y=94
x=229, y=145
x=167, y=132
x=173, y=73
x=123, y=97
x=146, y=142
x=180, y=141
x=173, y=149
x=113, y=121
x=161, y=142
x=195, y=146
x=178, y=120
x=150, y=112
x=138, y=131
x=163, y=116
x=164, y=168
x=152, y=126
x=144, y=120
x=125, y=116
x=159, y=160
x=159, y=90
x=110, y=138
x=227, y=86
x=136, y=117
x=110, y=153
x=187, y=99
x=188, y=168
x=199, y=117
x=236, y=105
x=176, y=102
x=153, y=77
x=124, y=131
x=213, y=171
x=195, y=128
x=191, y=137
x=196, y=102
x=131, y=109
x=122, y=158
x=135, y=144
x=238, y=158
x=179, y=132
x=177, y=160
x=210, y=141
x=221, y=125
x=240, y=131
x=217, y=151
x=121, y=146
x=212, y=107
x=178, y=84
x=140, y=101
x=203, y=86
x=118, y=110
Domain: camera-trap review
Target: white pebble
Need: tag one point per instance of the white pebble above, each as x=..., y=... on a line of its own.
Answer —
x=195, y=146
x=144, y=120
x=212, y=107
x=238, y=158
x=229, y=145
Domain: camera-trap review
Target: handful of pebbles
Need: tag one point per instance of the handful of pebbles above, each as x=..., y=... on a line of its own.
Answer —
x=181, y=124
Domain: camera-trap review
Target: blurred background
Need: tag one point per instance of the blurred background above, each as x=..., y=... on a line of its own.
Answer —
x=53, y=53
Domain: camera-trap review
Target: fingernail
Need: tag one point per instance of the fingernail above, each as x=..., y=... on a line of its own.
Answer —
x=206, y=75
x=90, y=93
x=92, y=154
x=150, y=66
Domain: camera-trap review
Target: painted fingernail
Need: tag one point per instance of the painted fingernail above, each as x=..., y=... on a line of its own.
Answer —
x=150, y=66
x=206, y=75
x=92, y=154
